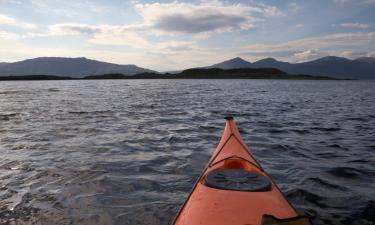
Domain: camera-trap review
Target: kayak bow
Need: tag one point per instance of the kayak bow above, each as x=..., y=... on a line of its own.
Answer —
x=234, y=189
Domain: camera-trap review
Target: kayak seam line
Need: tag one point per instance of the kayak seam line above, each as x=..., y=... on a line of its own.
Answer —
x=244, y=145
x=226, y=141
x=248, y=152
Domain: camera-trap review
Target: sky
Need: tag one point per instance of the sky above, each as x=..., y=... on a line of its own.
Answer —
x=172, y=35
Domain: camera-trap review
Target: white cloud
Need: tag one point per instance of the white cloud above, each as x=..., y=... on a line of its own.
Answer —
x=116, y=35
x=10, y=2
x=355, y=25
x=272, y=11
x=112, y=35
x=307, y=55
x=99, y=34
x=175, y=46
x=299, y=25
x=8, y=36
x=9, y=21
x=294, y=7
x=355, y=54
x=68, y=9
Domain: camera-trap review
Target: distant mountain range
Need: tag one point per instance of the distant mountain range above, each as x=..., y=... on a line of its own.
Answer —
x=337, y=67
x=66, y=67
x=331, y=66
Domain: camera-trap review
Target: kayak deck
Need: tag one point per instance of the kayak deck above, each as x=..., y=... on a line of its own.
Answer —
x=227, y=203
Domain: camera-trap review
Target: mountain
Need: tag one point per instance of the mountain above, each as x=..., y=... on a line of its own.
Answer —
x=332, y=66
x=366, y=59
x=234, y=63
x=272, y=63
x=69, y=67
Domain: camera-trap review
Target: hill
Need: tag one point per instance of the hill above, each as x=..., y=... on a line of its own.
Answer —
x=66, y=67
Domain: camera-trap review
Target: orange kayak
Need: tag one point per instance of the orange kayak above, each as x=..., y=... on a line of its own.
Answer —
x=233, y=189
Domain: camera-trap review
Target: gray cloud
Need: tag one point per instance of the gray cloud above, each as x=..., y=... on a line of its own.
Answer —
x=74, y=29
x=199, y=23
x=204, y=17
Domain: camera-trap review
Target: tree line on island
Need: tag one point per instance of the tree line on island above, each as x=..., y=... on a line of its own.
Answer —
x=204, y=73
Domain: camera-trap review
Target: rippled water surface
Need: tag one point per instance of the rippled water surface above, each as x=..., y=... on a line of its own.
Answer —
x=129, y=151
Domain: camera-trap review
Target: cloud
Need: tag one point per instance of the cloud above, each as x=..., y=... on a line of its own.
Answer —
x=309, y=54
x=8, y=36
x=369, y=1
x=9, y=21
x=271, y=11
x=99, y=34
x=200, y=20
x=176, y=46
x=176, y=18
x=355, y=54
x=299, y=25
x=71, y=9
x=204, y=17
x=341, y=1
x=10, y=2
x=294, y=7
x=356, y=1
x=310, y=48
x=355, y=25
x=73, y=29
x=116, y=35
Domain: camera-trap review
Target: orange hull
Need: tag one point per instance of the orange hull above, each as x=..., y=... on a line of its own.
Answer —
x=216, y=206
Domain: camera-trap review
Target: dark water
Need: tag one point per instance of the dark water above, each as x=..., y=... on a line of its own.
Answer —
x=128, y=152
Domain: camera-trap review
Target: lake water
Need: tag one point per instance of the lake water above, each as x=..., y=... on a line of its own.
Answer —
x=129, y=151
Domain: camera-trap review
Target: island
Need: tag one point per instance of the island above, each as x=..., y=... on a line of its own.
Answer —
x=196, y=73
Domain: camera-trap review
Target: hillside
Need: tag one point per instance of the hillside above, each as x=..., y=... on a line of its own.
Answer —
x=68, y=67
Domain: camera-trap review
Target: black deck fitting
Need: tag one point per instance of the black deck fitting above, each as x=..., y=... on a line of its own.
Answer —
x=228, y=117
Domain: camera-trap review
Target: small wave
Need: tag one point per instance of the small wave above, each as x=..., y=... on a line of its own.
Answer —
x=90, y=112
x=53, y=90
x=338, y=146
x=357, y=119
x=7, y=116
x=324, y=183
x=10, y=92
x=345, y=172
x=327, y=129
x=300, y=131
x=306, y=196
